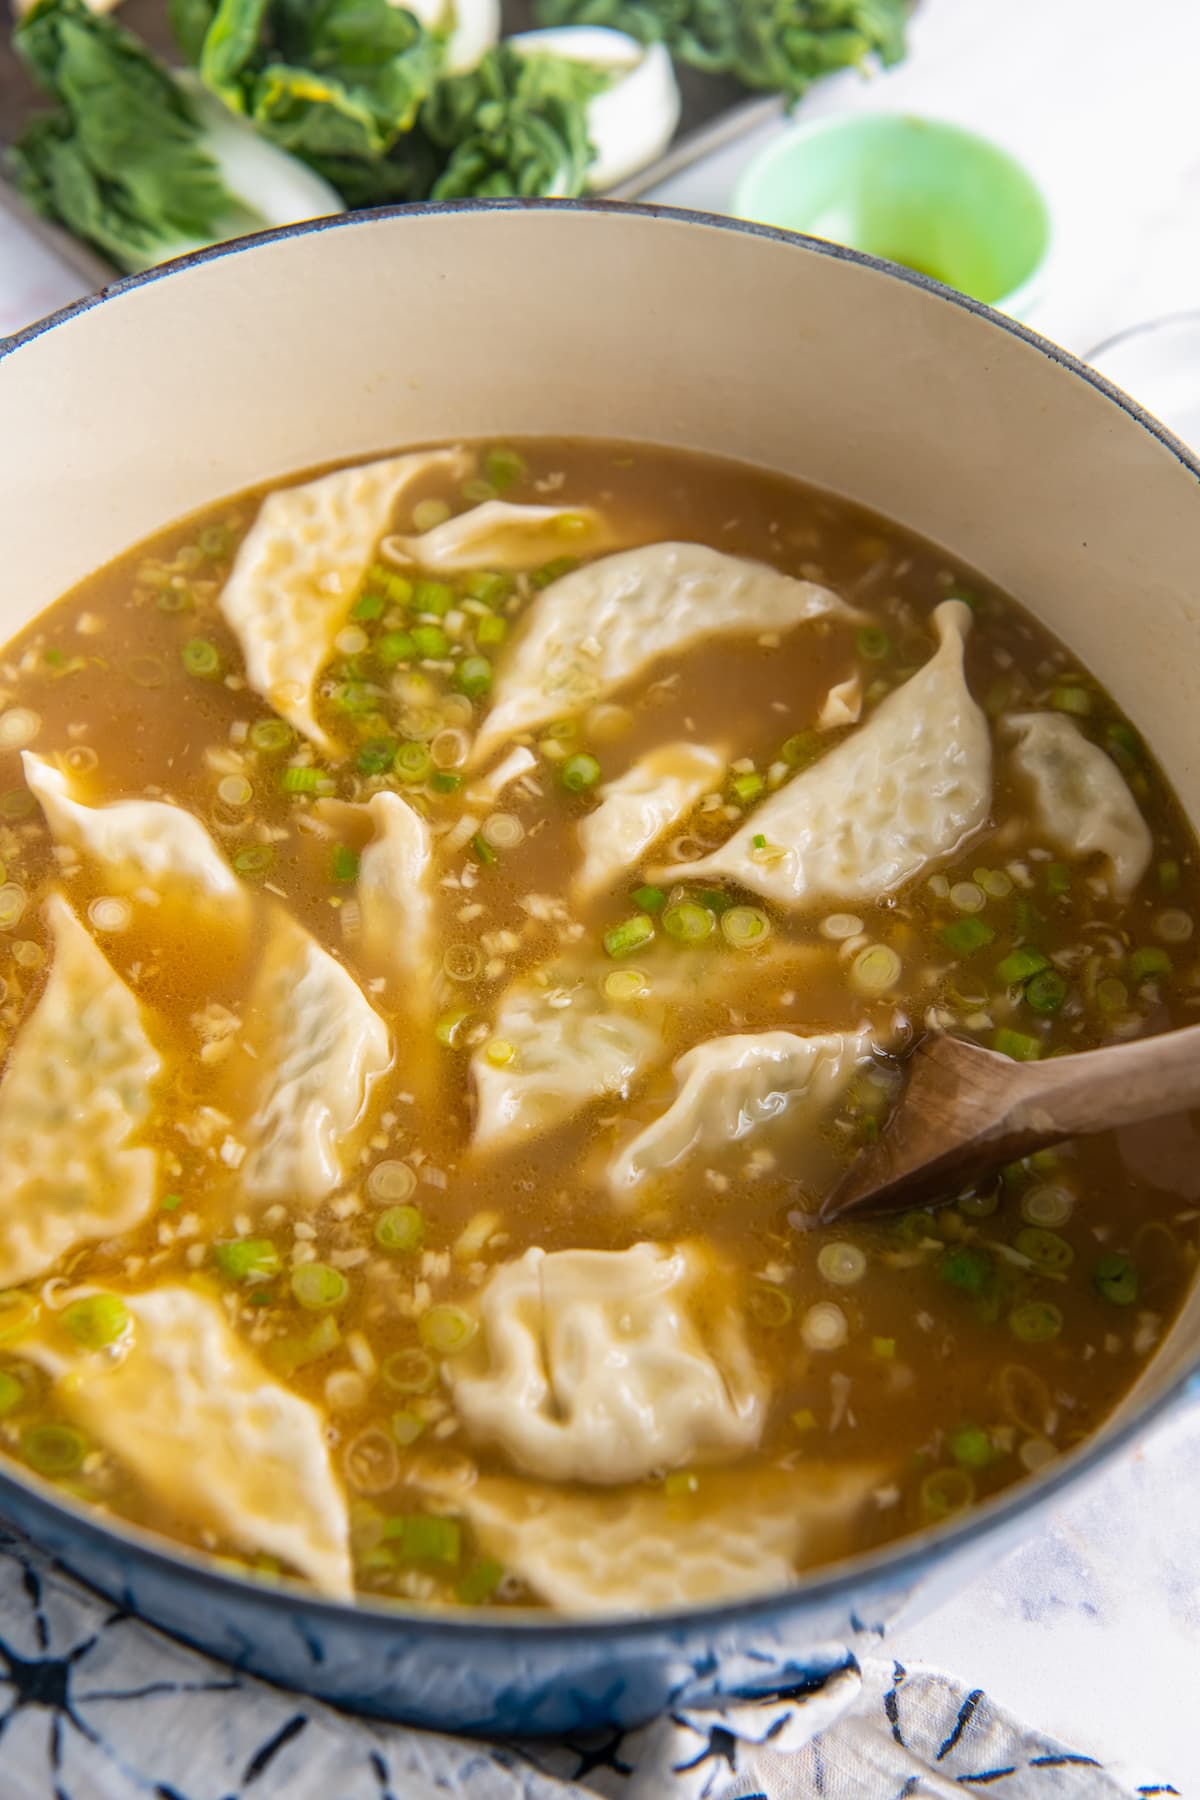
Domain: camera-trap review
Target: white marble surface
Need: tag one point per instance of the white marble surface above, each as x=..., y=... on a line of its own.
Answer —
x=1093, y=1628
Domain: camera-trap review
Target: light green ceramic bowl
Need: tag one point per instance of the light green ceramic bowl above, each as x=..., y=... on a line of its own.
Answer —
x=931, y=196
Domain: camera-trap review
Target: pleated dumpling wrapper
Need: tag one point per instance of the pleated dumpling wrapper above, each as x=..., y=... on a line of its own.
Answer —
x=75, y=1094
x=601, y=626
x=190, y=1410
x=298, y=569
x=641, y=1550
x=310, y=1046
x=557, y=1044
x=729, y=1087
x=1081, y=805
x=635, y=809
x=393, y=890
x=501, y=535
x=138, y=844
x=906, y=789
x=602, y=1366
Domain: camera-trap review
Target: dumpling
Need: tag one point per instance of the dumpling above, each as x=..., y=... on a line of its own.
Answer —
x=214, y=1438
x=1081, y=805
x=842, y=705
x=499, y=535
x=604, y=624
x=638, y=807
x=310, y=1047
x=603, y=1366
x=296, y=572
x=137, y=843
x=393, y=888
x=730, y=1086
x=641, y=1550
x=570, y=1046
x=74, y=1095
x=909, y=786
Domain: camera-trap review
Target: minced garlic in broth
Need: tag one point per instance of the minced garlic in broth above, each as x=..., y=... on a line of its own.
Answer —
x=954, y=1350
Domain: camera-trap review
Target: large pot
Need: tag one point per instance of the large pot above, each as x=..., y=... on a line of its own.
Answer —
x=353, y=336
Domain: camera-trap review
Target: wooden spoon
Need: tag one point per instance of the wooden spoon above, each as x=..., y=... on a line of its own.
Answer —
x=966, y=1110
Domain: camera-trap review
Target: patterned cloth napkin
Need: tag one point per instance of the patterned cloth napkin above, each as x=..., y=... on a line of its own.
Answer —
x=96, y=1705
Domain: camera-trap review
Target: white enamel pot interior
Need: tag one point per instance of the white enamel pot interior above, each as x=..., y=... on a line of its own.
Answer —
x=359, y=335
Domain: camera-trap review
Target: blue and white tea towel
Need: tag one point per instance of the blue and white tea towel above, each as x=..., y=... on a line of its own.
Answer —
x=95, y=1705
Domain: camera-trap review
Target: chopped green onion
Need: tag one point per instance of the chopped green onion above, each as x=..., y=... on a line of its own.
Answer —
x=771, y=1306
x=883, y=1347
x=344, y=863
x=409, y=1371
x=1046, y=992
x=1058, y=879
x=687, y=922
x=399, y=588
x=368, y=606
x=292, y=1353
x=473, y=677
x=1016, y=1045
x=649, y=899
x=579, y=773
x=747, y=787
x=1075, y=700
x=1047, y=1205
x=431, y=641
x=412, y=761
x=215, y=541
x=804, y=1419
x=1168, y=876
x=393, y=647
x=489, y=632
x=247, y=1259
x=680, y=1483
x=804, y=747
x=447, y=1028
x=446, y=1329
x=407, y=1427
x=743, y=927
x=271, y=735
x=53, y=1449
x=553, y=570
x=477, y=491
x=355, y=698
x=875, y=969
x=504, y=467
x=443, y=782
x=1149, y=961
x=966, y=935
x=1020, y=964
x=428, y=514
x=302, y=780
x=254, y=859
x=972, y=1447
x=716, y=901
x=1035, y=1321
x=425, y=1538
x=376, y=756
x=483, y=852
x=629, y=936
x=1124, y=745
x=316, y=1285
x=842, y=1263
x=969, y=1270
x=433, y=597
x=620, y=985
x=199, y=657
x=399, y=1228
x=12, y=1391
x=170, y=1203
x=18, y=1311
x=480, y=1583
x=1116, y=1279
x=1112, y=996
x=491, y=586
x=945, y=1492
x=1049, y=1253
x=873, y=643
x=96, y=1321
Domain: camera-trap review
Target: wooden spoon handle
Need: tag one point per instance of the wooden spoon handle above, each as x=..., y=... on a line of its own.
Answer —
x=1102, y=1089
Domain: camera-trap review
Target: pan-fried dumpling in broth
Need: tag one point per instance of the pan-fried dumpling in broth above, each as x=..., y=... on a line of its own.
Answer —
x=213, y=1437
x=74, y=1096
x=638, y=1549
x=296, y=572
x=906, y=788
x=605, y=1365
x=500, y=535
x=729, y=1087
x=601, y=626
x=137, y=843
x=309, y=1050
x=557, y=1044
x=1081, y=805
x=639, y=806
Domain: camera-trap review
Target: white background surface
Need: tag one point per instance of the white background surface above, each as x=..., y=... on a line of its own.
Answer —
x=1093, y=1629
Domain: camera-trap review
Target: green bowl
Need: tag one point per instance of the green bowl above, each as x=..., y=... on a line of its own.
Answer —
x=914, y=191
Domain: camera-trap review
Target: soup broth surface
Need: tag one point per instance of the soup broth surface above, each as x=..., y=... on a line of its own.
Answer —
x=901, y=1369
